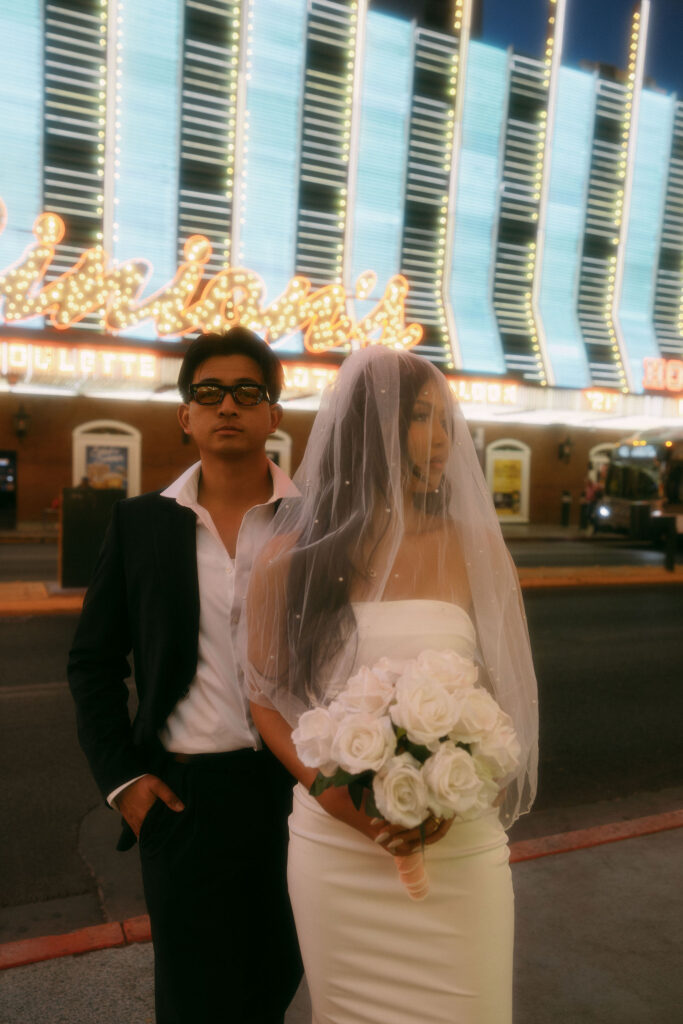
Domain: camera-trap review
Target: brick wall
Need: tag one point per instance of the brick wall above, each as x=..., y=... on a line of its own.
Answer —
x=44, y=455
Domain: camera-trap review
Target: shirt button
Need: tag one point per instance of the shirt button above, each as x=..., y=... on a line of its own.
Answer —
x=228, y=569
x=235, y=618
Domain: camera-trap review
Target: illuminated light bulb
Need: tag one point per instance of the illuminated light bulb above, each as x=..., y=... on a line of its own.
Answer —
x=89, y=283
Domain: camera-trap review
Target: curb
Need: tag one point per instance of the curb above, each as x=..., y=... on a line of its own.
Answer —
x=530, y=579
x=137, y=929
x=30, y=538
x=86, y=940
x=599, y=835
x=605, y=576
x=70, y=605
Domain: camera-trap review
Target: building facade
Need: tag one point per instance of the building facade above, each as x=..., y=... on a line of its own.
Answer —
x=333, y=176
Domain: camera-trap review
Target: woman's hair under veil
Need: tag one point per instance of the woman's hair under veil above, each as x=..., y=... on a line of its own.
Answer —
x=332, y=553
x=376, y=522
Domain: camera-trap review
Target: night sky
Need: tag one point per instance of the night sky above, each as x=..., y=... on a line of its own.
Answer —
x=596, y=30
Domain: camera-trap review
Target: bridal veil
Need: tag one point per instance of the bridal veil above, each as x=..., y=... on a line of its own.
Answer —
x=393, y=506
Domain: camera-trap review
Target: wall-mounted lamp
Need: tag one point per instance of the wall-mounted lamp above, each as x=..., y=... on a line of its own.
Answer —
x=564, y=449
x=21, y=421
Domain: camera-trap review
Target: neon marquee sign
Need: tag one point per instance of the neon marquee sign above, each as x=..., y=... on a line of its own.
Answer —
x=483, y=392
x=602, y=401
x=663, y=375
x=31, y=363
x=310, y=379
x=189, y=302
x=36, y=362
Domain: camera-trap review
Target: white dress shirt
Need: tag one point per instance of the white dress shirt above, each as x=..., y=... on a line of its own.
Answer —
x=214, y=715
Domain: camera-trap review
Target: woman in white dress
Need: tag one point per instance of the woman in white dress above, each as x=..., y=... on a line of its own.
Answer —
x=392, y=549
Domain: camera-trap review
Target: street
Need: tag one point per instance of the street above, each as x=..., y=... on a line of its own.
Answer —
x=38, y=561
x=584, y=551
x=29, y=561
x=609, y=667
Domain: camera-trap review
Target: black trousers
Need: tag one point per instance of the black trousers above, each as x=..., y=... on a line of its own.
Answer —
x=225, y=948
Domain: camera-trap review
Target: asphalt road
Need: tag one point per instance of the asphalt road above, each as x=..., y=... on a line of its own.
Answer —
x=609, y=668
x=609, y=664
x=28, y=562
x=38, y=562
x=583, y=552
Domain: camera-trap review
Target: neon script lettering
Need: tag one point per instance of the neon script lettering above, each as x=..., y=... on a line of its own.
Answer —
x=191, y=302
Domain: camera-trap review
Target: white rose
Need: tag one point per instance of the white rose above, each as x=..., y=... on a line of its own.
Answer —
x=477, y=715
x=424, y=708
x=389, y=667
x=453, y=782
x=313, y=738
x=370, y=690
x=400, y=792
x=499, y=750
x=485, y=798
x=363, y=743
x=449, y=668
x=337, y=712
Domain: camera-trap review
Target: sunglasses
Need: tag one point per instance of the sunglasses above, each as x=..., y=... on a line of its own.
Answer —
x=241, y=394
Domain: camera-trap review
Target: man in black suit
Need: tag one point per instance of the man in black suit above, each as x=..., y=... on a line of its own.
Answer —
x=190, y=777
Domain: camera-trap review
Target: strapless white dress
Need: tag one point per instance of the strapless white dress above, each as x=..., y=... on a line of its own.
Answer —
x=372, y=955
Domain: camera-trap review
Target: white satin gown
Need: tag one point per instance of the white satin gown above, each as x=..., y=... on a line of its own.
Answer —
x=371, y=954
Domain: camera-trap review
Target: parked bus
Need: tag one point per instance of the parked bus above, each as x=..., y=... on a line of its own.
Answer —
x=645, y=471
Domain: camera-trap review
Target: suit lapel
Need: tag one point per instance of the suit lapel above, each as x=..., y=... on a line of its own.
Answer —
x=175, y=544
x=174, y=621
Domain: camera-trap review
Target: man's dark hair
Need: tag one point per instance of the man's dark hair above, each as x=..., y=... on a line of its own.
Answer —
x=238, y=341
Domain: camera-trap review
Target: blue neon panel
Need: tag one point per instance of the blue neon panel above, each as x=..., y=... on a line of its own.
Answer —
x=21, y=93
x=382, y=152
x=650, y=169
x=476, y=209
x=569, y=170
x=274, y=96
x=147, y=189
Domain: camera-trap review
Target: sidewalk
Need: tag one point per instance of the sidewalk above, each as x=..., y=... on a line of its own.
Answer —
x=48, y=533
x=598, y=927
x=26, y=598
x=598, y=935
x=32, y=533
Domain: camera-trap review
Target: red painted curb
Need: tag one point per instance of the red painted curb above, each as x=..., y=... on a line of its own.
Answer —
x=548, y=582
x=137, y=929
x=585, y=838
x=48, y=947
x=530, y=579
x=48, y=606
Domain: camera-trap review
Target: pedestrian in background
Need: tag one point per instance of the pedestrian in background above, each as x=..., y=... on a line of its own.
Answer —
x=207, y=803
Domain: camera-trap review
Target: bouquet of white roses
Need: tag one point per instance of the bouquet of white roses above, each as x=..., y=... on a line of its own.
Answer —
x=412, y=738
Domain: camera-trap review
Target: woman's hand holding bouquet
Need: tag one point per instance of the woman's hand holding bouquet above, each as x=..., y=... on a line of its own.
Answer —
x=410, y=740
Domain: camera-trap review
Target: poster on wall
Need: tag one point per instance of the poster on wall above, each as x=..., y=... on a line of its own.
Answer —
x=508, y=473
x=106, y=466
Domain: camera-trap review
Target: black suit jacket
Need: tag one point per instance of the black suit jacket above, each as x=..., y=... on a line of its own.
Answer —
x=144, y=599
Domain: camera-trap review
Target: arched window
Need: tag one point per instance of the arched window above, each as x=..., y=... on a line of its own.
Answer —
x=279, y=449
x=107, y=454
x=598, y=458
x=507, y=474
